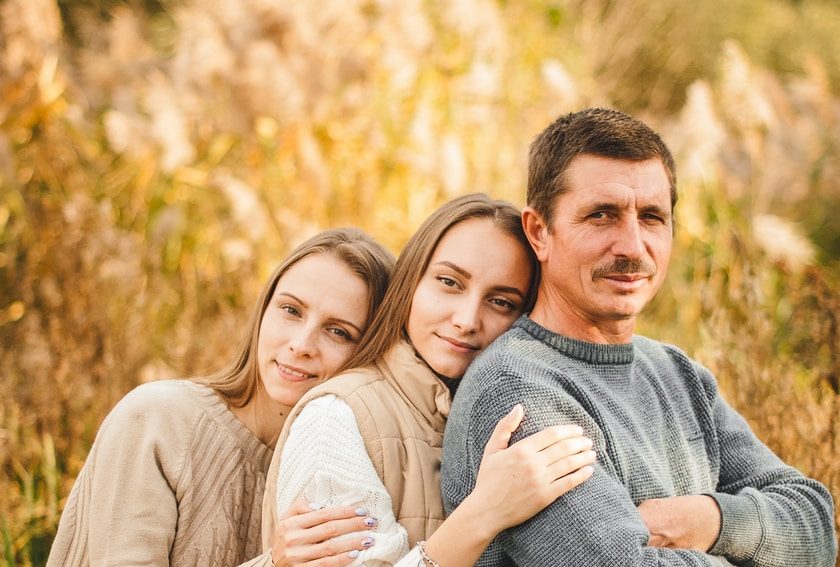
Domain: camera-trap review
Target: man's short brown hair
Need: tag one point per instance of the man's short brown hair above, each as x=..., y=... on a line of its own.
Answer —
x=596, y=131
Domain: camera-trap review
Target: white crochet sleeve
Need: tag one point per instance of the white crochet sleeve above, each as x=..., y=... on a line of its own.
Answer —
x=324, y=460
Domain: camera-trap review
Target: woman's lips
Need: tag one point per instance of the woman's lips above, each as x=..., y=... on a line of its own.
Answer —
x=458, y=346
x=293, y=373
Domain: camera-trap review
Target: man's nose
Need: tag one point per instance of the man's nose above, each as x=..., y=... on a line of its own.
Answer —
x=629, y=241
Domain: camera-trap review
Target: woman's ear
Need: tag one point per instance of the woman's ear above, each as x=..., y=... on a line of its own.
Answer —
x=537, y=232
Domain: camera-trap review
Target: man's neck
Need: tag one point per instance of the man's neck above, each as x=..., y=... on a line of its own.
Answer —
x=561, y=318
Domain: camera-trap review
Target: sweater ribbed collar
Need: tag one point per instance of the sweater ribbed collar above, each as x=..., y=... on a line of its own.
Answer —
x=416, y=383
x=217, y=410
x=592, y=353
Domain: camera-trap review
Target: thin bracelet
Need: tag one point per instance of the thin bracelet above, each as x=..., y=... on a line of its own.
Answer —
x=421, y=545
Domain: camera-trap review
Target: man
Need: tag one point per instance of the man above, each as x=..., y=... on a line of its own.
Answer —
x=680, y=478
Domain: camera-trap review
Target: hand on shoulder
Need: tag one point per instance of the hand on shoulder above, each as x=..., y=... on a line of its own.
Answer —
x=516, y=482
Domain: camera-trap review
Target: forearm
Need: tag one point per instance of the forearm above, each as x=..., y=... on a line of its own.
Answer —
x=780, y=525
x=592, y=527
x=771, y=513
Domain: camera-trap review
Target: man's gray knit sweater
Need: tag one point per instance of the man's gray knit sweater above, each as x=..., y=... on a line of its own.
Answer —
x=660, y=429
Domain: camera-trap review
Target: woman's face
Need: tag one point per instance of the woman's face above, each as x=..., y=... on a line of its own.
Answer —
x=310, y=327
x=472, y=291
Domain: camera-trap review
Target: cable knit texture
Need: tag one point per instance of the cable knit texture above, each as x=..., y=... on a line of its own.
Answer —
x=400, y=409
x=660, y=429
x=329, y=465
x=173, y=478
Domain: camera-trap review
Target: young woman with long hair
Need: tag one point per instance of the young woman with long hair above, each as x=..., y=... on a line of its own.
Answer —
x=372, y=436
x=176, y=473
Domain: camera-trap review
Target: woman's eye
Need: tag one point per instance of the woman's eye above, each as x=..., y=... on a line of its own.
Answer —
x=290, y=309
x=447, y=281
x=506, y=304
x=340, y=333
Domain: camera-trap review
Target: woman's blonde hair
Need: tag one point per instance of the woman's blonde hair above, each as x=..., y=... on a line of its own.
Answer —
x=388, y=325
x=237, y=383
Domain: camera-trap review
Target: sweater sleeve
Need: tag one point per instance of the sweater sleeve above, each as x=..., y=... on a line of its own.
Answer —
x=324, y=460
x=123, y=509
x=596, y=523
x=772, y=515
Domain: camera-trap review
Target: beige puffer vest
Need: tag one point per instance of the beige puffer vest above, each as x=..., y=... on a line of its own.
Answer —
x=401, y=409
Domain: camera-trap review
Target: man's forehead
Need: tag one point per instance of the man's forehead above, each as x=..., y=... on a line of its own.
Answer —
x=622, y=182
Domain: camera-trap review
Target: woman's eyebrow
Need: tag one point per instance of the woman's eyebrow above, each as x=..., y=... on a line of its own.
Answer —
x=293, y=296
x=455, y=267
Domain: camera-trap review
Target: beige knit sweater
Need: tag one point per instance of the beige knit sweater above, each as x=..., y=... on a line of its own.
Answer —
x=173, y=478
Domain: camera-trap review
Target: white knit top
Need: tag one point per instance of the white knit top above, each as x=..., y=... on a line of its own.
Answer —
x=324, y=460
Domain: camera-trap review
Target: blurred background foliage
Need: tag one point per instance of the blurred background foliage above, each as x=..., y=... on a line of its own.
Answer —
x=157, y=158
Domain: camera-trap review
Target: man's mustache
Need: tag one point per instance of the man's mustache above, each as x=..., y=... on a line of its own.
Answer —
x=638, y=266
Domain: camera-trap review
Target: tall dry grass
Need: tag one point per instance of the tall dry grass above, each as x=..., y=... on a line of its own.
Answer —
x=155, y=164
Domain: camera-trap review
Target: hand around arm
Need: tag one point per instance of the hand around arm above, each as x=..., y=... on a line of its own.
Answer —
x=513, y=483
x=307, y=535
x=682, y=522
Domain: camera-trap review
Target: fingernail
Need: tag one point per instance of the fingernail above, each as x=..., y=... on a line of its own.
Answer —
x=361, y=511
x=371, y=522
x=367, y=542
x=353, y=554
x=315, y=506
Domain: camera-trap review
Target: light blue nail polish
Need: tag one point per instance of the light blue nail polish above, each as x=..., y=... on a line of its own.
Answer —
x=315, y=506
x=367, y=542
x=361, y=511
x=353, y=554
x=371, y=522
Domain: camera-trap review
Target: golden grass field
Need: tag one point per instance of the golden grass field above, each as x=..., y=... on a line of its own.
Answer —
x=157, y=158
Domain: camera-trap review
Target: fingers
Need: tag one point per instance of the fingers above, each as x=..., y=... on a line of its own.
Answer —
x=316, y=537
x=565, y=483
x=303, y=514
x=500, y=437
x=299, y=506
x=335, y=528
x=560, y=457
x=565, y=448
x=338, y=552
x=548, y=436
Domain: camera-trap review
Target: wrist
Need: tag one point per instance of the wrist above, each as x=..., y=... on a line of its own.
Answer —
x=475, y=512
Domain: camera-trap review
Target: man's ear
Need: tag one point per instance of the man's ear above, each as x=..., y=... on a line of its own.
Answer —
x=537, y=232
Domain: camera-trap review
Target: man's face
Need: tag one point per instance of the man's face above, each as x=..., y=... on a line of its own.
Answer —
x=606, y=252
